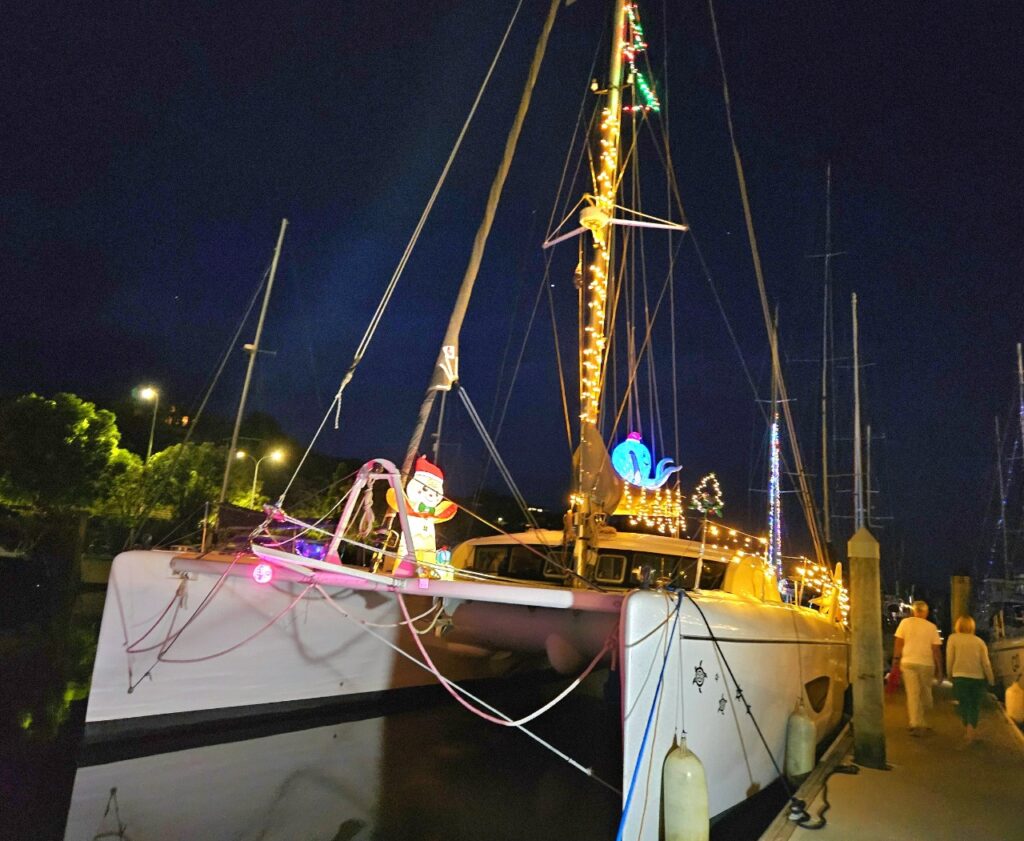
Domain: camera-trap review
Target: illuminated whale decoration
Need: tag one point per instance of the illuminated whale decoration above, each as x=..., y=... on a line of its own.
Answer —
x=632, y=461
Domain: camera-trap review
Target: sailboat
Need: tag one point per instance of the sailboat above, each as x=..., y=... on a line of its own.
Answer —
x=1001, y=597
x=701, y=645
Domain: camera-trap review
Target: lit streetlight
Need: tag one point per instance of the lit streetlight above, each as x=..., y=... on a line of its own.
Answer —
x=276, y=456
x=150, y=393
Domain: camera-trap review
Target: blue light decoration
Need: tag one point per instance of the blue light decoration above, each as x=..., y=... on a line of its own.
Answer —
x=632, y=460
x=314, y=549
x=775, y=505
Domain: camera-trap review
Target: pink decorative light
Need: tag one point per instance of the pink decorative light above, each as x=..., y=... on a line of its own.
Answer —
x=262, y=573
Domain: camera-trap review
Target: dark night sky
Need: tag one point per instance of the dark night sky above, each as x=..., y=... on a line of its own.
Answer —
x=150, y=151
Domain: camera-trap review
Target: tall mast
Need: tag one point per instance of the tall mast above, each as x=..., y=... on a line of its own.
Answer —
x=826, y=308
x=1020, y=395
x=596, y=217
x=446, y=369
x=1002, y=499
x=252, y=350
x=867, y=478
x=858, y=479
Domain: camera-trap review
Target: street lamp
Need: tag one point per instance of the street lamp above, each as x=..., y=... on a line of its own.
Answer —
x=150, y=393
x=276, y=456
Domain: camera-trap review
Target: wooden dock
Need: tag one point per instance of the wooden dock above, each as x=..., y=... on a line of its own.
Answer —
x=935, y=790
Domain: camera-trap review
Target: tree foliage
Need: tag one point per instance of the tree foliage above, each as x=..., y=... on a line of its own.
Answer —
x=55, y=453
x=182, y=478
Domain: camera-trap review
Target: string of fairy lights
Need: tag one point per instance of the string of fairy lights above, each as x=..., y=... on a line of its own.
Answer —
x=775, y=503
x=663, y=509
x=632, y=47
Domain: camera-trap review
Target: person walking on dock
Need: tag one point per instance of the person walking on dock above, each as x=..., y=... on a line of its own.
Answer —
x=917, y=655
x=968, y=664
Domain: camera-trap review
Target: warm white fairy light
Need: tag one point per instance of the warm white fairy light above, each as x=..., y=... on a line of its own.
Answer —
x=818, y=578
x=660, y=509
x=595, y=337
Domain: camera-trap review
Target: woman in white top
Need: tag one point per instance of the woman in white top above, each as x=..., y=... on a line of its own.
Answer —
x=968, y=664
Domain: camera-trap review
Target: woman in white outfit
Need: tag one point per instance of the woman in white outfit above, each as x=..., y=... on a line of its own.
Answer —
x=968, y=664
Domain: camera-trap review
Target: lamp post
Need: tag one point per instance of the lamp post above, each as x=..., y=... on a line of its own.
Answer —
x=276, y=456
x=150, y=393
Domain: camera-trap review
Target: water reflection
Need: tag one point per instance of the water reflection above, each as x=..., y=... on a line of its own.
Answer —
x=414, y=776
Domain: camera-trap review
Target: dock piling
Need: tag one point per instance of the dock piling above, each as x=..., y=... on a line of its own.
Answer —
x=866, y=657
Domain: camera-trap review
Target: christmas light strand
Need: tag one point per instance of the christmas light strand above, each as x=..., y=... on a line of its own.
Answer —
x=707, y=498
x=775, y=504
x=633, y=46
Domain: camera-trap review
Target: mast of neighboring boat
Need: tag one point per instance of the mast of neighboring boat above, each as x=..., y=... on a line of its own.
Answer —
x=252, y=350
x=597, y=217
x=446, y=369
x=1020, y=394
x=826, y=308
x=1002, y=499
x=858, y=479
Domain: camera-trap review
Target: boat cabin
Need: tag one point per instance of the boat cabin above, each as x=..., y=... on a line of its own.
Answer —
x=625, y=560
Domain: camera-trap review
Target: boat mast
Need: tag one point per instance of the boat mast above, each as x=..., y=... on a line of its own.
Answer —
x=826, y=309
x=597, y=217
x=858, y=479
x=252, y=350
x=1002, y=499
x=1020, y=395
x=446, y=369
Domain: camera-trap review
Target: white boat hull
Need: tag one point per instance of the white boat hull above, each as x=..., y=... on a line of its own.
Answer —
x=1007, y=657
x=779, y=654
x=310, y=654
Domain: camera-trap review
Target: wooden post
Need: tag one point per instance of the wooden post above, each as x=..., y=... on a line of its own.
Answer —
x=866, y=663
x=959, y=598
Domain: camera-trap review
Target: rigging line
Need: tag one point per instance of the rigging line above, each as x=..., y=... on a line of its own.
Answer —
x=572, y=146
x=810, y=513
x=741, y=697
x=550, y=558
x=513, y=312
x=588, y=771
x=400, y=268
x=561, y=370
x=647, y=339
x=232, y=343
x=515, y=372
x=498, y=461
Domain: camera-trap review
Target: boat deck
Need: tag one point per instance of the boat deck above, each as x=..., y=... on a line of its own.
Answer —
x=936, y=789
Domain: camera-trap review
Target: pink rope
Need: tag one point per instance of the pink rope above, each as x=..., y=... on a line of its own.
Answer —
x=503, y=722
x=238, y=645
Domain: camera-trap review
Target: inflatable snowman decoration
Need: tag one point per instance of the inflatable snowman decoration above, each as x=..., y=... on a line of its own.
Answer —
x=425, y=506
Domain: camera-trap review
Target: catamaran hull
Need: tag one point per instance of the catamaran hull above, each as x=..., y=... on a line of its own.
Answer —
x=245, y=646
x=1007, y=657
x=235, y=660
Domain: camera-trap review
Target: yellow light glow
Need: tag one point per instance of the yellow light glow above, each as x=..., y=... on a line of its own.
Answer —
x=148, y=393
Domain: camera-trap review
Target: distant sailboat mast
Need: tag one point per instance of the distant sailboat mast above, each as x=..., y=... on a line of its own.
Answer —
x=826, y=312
x=858, y=477
x=252, y=349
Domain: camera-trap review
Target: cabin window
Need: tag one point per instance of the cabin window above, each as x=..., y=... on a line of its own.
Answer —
x=666, y=569
x=489, y=558
x=712, y=574
x=610, y=568
x=555, y=569
x=524, y=563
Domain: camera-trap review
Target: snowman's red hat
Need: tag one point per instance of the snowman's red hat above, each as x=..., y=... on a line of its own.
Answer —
x=425, y=466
